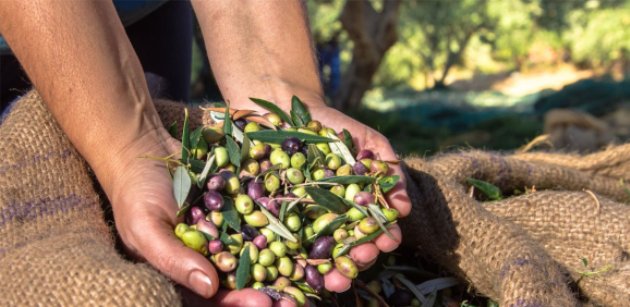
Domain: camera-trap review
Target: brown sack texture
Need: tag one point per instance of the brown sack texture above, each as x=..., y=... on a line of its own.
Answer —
x=55, y=248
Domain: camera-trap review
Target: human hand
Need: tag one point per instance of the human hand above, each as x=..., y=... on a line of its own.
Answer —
x=145, y=212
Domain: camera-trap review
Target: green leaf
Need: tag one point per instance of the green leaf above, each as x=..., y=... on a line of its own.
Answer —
x=349, y=179
x=347, y=140
x=172, y=129
x=196, y=137
x=181, y=185
x=277, y=137
x=183, y=210
x=227, y=121
x=234, y=152
x=243, y=270
x=299, y=113
x=339, y=148
x=387, y=183
x=327, y=199
x=201, y=180
x=245, y=149
x=488, y=189
x=185, y=138
x=376, y=213
x=196, y=166
x=283, y=210
x=226, y=239
x=346, y=248
x=276, y=226
x=230, y=216
x=314, y=155
x=412, y=287
x=271, y=107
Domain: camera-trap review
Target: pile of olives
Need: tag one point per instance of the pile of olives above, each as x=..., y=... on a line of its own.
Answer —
x=277, y=201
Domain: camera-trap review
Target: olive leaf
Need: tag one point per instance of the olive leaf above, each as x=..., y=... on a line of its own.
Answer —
x=488, y=189
x=299, y=113
x=172, y=129
x=226, y=239
x=329, y=228
x=181, y=185
x=201, y=180
x=380, y=218
x=339, y=148
x=185, y=138
x=245, y=149
x=349, y=179
x=276, y=226
x=346, y=247
x=277, y=137
x=388, y=182
x=314, y=156
x=243, y=270
x=234, y=152
x=412, y=288
x=238, y=134
x=327, y=199
x=271, y=107
x=283, y=210
x=230, y=215
x=227, y=121
x=347, y=140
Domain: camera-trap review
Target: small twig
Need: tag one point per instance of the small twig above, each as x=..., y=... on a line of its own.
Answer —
x=597, y=204
x=471, y=191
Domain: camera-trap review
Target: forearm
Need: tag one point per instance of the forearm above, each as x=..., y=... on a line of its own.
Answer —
x=260, y=49
x=80, y=60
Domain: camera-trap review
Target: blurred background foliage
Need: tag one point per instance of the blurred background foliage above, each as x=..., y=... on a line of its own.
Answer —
x=437, y=75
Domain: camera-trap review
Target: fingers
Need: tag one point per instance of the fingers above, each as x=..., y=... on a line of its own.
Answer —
x=385, y=244
x=178, y=262
x=364, y=255
x=244, y=297
x=336, y=282
x=397, y=197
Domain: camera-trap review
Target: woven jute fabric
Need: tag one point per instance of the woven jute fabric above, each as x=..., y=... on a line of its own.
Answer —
x=55, y=246
x=569, y=229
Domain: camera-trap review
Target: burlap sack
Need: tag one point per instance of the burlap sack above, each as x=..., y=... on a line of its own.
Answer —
x=55, y=247
x=535, y=239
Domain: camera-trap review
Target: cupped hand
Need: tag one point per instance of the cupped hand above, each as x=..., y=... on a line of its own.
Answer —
x=145, y=212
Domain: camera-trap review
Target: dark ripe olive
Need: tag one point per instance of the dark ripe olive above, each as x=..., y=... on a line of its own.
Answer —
x=249, y=232
x=329, y=173
x=195, y=214
x=291, y=145
x=213, y=200
x=322, y=248
x=216, y=183
x=313, y=278
x=215, y=246
x=271, y=205
x=359, y=168
x=401, y=297
x=240, y=123
x=255, y=189
x=363, y=198
x=365, y=154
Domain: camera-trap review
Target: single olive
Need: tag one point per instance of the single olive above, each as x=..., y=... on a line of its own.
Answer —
x=323, y=220
x=324, y=268
x=249, y=232
x=272, y=182
x=354, y=214
x=232, y=184
x=340, y=235
x=278, y=248
x=285, y=266
x=307, y=131
x=297, y=294
x=359, y=168
x=298, y=273
x=390, y=214
x=180, y=229
x=216, y=183
x=253, y=251
x=322, y=248
x=352, y=190
x=298, y=160
x=308, y=231
x=313, y=278
x=272, y=273
x=259, y=273
x=237, y=245
x=281, y=158
x=266, y=257
x=368, y=225
x=273, y=118
x=200, y=151
x=281, y=283
x=243, y=204
x=221, y=157
x=250, y=167
x=260, y=241
x=363, y=198
x=326, y=130
x=346, y=267
x=213, y=200
x=291, y=145
x=230, y=280
x=269, y=234
x=215, y=246
x=357, y=233
x=338, y=190
x=258, y=285
x=333, y=161
x=294, y=245
x=255, y=189
x=225, y=261
x=256, y=219
x=299, y=191
x=265, y=165
x=251, y=127
x=213, y=134
x=258, y=151
x=293, y=222
x=270, y=204
x=337, y=250
x=195, y=240
x=207, y=228
x=379, y=167
x=365, y=154
x=344, y=170
x=323, y=147
x=295, y=176
x=314, y=125
x=216, y=217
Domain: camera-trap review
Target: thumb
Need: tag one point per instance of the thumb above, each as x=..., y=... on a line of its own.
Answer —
x=180, y=263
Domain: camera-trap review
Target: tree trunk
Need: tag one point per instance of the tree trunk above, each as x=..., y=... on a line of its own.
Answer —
x=372, y=33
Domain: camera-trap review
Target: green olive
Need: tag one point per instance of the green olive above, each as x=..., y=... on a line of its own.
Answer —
x=295, y=176
x=257, y=285
x=212, y=134
x=293, y=222
x=281, y=283
x=216, y=217
x=279, y=157
x=308, y=231
x=299, y=191
x=274, y=119
x=351, y=190
x=390, y=214
x=251, y=167
x=298, y=273
x=251, y=127
x=333, y=161
x=307, y=131
x=368, y=225
x=337, y=250
x=338, y=190
x=244, y=204
x=324, y=268
x=269, y=234
x=346, y=267
x=314, y=126
x=354, y=214
x=298, y=160
x=253, y=251
x=256, y=219
x=180, y=229
x=344, y=170
x=272, y=273
x=318, y=174
x=266, y=257
x=272, y=182
x=323, y=147
x=257, y=151
x=224, y=261
x=297, y=294
x=232, y=185
x=221, y=157
x=285, y=266
x=326, y=130
x=278, y=248
x=259, y=273
x=294, y=245
x=195, y=240
x=339, y=235
x=323, y=220
x=236, y=247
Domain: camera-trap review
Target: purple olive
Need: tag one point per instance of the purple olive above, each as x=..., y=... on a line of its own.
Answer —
x=265, y=164
x=313, y=278
x=195, y=214
x=363, y=198
x=255, y=189
x=359, y=168
x=215, y=246
x=291, y=145
x=260, y=241
x=322, y=248
x=329, y=173
x=216, y=183
x=213, y=200
x=240, y=123
x=249, y=232
x=269, y=204
x=365, y=154
x=207, y=227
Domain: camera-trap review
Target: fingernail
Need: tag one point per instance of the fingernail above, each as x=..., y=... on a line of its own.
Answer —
x=200, y=282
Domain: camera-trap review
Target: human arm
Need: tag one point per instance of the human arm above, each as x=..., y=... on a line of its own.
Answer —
x=262, y=49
